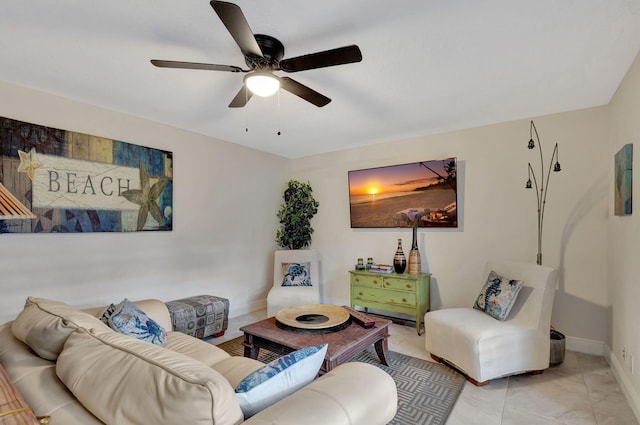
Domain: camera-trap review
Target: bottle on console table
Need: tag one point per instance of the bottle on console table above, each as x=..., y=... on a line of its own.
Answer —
x=399, y=260
x=415, y=264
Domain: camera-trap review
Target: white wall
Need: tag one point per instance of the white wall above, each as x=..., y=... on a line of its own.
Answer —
x=222, y=241
x=225, y=202
x=624, y=236
x=498, y=216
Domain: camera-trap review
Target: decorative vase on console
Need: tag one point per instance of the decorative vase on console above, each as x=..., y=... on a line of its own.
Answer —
x=399, y=260
x=415, y=265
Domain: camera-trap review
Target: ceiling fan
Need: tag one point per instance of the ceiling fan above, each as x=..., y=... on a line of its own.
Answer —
x=263, y=55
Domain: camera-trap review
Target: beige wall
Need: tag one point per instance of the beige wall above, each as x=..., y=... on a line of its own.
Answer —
x=498, y=216
x=225, y=199
x=623, y=244
x=226, y=217
x=596, y=304
x=226, y=196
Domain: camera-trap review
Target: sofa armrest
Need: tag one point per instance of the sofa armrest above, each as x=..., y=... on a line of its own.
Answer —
x=352, y=394
x=155, y=309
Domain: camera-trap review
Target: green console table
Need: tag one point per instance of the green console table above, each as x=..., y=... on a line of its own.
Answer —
x=398, y=293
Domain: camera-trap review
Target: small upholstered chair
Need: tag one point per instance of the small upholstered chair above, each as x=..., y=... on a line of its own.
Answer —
x=295, y=280
x=485, y=348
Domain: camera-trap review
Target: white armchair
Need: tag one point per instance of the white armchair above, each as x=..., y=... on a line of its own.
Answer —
x=484, y=348
x=287, y=290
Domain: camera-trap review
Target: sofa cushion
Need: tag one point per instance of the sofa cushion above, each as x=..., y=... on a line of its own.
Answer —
x=352, y=393
x=498, y=295
x=123, y=381
x=44, y=325
x=128, y=319
x=236, y=368
x=279, y=378
x=195, y=348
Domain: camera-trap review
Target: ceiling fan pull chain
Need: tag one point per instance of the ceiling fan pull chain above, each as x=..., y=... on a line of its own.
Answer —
x=246, y=125
x=278, y=112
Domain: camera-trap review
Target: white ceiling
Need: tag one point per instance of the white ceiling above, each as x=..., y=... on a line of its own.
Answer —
x=428, y=66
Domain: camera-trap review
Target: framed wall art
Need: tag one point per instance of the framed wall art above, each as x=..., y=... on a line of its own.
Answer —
x=76, y=183
x=623, y=175
x=418, y=194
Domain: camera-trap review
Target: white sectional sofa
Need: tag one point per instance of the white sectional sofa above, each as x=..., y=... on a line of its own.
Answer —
x=70, y=366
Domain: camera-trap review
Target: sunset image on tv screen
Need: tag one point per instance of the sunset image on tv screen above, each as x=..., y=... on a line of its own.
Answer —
x=419, y=194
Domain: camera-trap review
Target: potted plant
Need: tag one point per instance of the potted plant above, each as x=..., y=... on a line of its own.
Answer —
x=295, y=216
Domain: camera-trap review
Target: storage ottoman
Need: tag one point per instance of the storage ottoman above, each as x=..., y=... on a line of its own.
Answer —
x=200, y=316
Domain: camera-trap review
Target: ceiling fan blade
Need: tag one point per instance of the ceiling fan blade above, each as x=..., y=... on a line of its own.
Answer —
x=339, y=56
x=300, y=90
x=241, y=98
x=195, y=65
x=232, y=17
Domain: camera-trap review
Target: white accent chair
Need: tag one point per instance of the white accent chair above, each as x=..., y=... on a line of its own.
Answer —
x=484, y=348
x=279, y=296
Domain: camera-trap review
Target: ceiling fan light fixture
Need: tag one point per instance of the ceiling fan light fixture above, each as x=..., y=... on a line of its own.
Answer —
x=263, y=84
x=263, y=54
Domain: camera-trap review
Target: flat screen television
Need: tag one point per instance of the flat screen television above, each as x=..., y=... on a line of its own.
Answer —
x=422, y=194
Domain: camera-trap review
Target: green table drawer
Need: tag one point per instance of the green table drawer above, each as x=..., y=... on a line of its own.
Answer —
x=362, y=293
x=399, y=284
x=386, y=282
x=370, y=281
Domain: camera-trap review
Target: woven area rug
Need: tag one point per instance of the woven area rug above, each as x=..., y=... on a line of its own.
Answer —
x=427, y=391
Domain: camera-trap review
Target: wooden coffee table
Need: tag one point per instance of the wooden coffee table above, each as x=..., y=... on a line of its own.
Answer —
x=343, y=345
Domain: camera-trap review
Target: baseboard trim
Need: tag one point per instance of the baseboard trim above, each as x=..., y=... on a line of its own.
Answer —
x=625, y=384
x=586, y=346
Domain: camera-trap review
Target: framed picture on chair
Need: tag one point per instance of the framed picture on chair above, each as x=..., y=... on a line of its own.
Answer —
x=296, y=274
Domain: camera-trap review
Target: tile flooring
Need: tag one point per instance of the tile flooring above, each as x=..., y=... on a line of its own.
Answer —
x=580, y=391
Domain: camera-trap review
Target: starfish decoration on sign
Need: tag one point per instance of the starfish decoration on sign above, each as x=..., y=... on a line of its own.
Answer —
x=29, y=163
x=146, y=197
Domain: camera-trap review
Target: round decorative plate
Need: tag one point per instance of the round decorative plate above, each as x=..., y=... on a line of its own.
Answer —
x=313, y=316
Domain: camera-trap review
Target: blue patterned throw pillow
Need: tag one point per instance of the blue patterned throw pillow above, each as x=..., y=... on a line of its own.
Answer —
x=128, y=319
x=498, y=296
x=106, y=313
x=296, y=274
x=279, y=378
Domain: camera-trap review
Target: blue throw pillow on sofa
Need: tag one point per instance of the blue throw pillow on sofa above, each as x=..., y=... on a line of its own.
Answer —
x=128, y=319
x=107, y=313
x=279, y=378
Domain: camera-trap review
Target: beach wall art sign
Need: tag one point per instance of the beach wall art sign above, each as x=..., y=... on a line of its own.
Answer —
x=78, y=183
x=418, y=194
x=623, y=164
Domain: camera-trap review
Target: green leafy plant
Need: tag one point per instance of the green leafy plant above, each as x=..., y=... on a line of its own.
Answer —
x=295, y=216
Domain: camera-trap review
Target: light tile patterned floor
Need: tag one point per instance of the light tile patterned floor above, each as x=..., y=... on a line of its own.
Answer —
x=580, y=391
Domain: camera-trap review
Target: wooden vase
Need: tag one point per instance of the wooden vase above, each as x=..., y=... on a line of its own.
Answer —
x=415, y=265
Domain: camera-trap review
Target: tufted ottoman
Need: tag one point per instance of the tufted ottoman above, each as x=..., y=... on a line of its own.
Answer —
x=200, y=316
